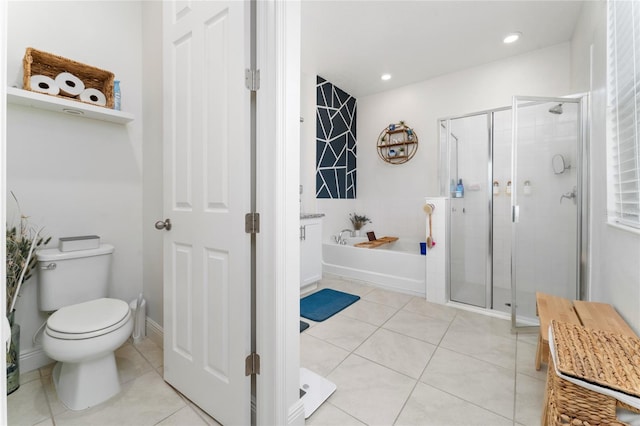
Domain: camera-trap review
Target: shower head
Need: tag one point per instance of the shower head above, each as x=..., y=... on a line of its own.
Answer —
x=557, y=109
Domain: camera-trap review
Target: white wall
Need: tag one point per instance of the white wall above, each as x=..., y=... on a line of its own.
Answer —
x=152, y=176
x=615, y=254
x=393, y=195
x=73, y=175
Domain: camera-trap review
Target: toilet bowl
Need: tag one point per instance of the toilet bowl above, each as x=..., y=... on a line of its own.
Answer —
x=86, y=327
x=82, y=338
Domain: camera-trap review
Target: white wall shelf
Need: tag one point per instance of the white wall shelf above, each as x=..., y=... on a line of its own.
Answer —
x=53, y=103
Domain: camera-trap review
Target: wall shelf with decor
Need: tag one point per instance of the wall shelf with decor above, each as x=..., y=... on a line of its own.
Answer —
x=397, y=143
x=22, y=97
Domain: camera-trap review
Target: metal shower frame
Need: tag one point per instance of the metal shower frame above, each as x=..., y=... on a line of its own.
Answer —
x=582, y=222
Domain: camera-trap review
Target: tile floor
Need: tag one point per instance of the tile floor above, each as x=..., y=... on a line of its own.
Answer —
x=400, y=360
x=145, y=398
x=395, y=359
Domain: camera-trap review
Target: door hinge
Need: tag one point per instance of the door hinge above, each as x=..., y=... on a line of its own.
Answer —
x=252, y=364
x=252, y=79
x=252, y=223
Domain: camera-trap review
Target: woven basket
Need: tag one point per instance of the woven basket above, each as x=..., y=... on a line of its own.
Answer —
x=37, y=62
x=568, y=404
x=599, y=357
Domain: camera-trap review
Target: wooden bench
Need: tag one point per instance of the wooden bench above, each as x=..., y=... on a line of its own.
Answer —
x=550, y=307
x=600, y=316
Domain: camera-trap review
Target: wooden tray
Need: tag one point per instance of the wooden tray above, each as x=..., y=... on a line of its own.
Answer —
x=377, y=243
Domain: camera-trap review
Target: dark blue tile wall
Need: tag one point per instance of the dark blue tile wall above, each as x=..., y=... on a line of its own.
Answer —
x=336, y=142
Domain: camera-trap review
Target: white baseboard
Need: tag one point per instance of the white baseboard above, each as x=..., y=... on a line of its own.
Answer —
x=155, y=332
x=33, y=359
x=296, y=413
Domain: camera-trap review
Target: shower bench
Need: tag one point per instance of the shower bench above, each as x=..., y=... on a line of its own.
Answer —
x=601, y=316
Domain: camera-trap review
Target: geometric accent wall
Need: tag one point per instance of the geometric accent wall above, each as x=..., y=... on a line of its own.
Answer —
x=335, y=142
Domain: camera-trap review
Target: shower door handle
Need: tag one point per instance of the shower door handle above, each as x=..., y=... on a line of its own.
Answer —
x=515, y=214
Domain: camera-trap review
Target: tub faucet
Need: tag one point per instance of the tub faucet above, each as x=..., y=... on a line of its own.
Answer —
x=339, y=238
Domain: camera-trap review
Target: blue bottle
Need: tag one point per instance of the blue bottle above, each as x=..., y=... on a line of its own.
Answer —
x=459, y=189
x=116, y=95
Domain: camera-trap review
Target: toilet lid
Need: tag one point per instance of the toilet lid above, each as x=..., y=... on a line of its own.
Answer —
x=88, y=317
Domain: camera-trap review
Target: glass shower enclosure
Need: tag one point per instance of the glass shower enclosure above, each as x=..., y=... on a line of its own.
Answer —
x=516, y=224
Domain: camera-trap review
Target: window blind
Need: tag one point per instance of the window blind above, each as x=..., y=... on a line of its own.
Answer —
x=623, y=121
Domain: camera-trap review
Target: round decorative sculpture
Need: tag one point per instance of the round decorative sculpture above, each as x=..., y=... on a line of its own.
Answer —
x=397, y=143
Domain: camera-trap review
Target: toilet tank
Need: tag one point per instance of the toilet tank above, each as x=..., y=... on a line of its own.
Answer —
x=67, y=278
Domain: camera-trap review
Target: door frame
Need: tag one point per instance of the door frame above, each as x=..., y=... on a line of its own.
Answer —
x=3, y=197
x=277, y=247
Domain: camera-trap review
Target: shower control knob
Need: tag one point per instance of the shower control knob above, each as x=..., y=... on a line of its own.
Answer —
x=166, y=224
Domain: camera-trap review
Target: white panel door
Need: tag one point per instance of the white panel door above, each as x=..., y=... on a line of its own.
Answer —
x=207, y=265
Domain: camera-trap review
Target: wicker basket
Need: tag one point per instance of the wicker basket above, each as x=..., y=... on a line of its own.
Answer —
x=567, y=404
x=37, y=62
x=595, y=356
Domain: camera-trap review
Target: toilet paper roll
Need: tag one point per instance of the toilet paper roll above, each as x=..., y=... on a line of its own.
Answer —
x=93, y=96
x=43, y=84
x=69, y=84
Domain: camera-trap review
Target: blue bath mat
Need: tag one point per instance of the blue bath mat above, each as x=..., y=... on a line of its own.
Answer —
x=325, y=303
x=303, y=326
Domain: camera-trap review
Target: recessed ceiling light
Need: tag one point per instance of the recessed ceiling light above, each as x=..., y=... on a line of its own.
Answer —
x=511, y=38
x=385, y=77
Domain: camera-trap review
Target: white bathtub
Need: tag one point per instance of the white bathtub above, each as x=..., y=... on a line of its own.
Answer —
x=396, y=266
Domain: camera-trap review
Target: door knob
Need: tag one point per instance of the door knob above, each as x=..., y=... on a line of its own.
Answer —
x=166, y=224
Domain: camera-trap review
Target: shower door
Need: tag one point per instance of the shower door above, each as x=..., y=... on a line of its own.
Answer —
x=520, y=227
x=477, y=149
x=546, y=202
x=470, y=211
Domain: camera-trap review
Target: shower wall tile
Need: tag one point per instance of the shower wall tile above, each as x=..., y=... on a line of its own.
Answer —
x=335, y=142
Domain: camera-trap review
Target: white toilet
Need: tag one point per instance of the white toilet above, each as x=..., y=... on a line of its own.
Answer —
x=86, y=327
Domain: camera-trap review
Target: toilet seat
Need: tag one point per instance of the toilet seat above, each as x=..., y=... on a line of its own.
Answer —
x=88, y=319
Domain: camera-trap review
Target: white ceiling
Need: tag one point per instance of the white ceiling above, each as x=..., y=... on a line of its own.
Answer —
x=352, y=43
